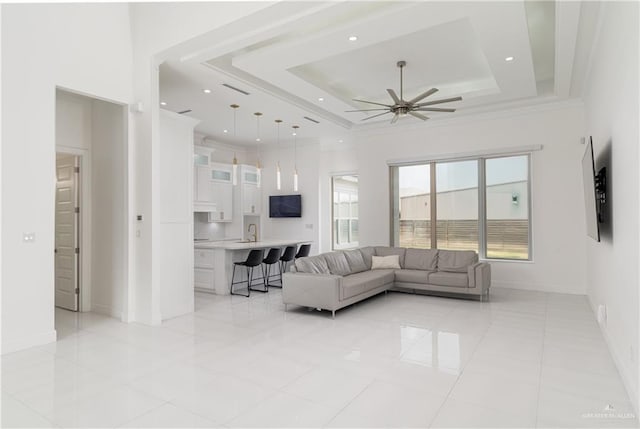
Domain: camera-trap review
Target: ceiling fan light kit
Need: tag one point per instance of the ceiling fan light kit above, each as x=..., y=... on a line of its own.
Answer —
x=402, y=107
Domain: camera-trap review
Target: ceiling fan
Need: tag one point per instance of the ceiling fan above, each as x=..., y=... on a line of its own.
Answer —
x=401, y=107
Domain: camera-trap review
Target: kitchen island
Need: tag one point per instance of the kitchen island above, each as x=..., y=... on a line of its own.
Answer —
x=213, y=261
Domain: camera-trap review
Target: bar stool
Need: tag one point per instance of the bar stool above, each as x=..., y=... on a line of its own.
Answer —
x=253, y=260
x=287, y=256
x=303, y=251
x=272, y=258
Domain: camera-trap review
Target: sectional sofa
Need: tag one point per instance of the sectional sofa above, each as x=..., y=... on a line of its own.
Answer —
x=331, y=281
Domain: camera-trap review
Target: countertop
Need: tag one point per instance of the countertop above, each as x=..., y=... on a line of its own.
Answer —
x=235, y=245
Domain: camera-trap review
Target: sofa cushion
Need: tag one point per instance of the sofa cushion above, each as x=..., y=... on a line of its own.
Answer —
x=365, y=281
x=421, y=259
x=456, y=261
x=313, y=265
x=356, y=261
x=386, y=251
x=367, y=253
x=385, y=262
x=440, y=278
x=412, y=276
x=337, y=263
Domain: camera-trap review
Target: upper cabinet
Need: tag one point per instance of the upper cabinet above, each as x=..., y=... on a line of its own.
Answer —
x=251, y=193
x=203, y=196
x=201, y=155
x=222, y=190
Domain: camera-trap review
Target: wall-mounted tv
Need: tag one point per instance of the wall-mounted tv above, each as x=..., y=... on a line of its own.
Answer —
x=594, y=192
x=285, y=206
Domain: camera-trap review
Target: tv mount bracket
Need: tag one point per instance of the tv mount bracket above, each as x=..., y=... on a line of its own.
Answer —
x=601, y=191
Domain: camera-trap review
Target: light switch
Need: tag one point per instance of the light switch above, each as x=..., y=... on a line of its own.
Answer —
x=29, y=237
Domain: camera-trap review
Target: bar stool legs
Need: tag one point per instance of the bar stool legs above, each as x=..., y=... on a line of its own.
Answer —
x=253, y=260
x=273, y=257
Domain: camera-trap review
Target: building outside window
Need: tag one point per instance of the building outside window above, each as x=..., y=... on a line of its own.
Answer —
x=345, y=211
x=479, y=204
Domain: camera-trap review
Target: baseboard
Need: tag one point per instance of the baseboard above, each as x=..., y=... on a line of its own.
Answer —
x=539, y=287
x=623, y=371
x=107, y=310
x=28, y=342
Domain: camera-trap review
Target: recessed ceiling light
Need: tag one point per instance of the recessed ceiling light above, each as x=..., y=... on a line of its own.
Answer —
x=340, y=141
x=509, y=59
x=320, y=99
x=225, y=131
x=206, y=91
x=163, y=103
x=258, y=139
x=353, y=38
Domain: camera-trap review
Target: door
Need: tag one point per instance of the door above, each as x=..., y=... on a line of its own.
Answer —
x=66, y=233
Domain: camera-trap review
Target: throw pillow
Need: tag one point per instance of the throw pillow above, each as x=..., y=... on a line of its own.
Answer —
x=385, y=262
x=356, y=261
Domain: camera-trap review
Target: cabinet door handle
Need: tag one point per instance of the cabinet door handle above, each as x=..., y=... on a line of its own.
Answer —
x=221, y=215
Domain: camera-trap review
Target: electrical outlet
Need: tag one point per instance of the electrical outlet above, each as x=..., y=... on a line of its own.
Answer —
x=602, y=315
x=29, y=237
x=308, y=226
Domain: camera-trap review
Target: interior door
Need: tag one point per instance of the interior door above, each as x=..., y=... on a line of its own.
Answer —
x=66, y=235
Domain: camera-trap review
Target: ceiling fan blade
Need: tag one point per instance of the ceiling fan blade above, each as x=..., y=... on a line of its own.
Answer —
x=395, y=118
x=393, y=95
x=364, y=110
x=433, y=109
x=423, y=95
x=375, y=116
x=418, y=115
x=371, y=102
x=444, y=100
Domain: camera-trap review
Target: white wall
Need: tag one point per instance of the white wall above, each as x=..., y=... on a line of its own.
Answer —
x=557, y=205
x=109, y=232
x=84, y=47
x=176, y=214
x=96, y=130
x=611, y=110
x=306, y=227
x=156, y=28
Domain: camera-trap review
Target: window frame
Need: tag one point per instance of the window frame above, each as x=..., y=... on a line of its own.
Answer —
x=334, y=228
x=482, y=199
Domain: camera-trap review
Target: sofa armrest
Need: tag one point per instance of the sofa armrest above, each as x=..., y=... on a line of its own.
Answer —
x=480, y=276
x=311, y=290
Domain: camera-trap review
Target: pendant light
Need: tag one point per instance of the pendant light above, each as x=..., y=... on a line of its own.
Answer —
x=295, y=158
x=278, y=181
x=258, y=164
x=234, y=173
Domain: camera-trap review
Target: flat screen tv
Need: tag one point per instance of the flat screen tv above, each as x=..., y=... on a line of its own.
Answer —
x=590, y=199
x=285, y=206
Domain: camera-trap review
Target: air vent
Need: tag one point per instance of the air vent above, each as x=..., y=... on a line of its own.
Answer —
x=235, y=89
x=311, y=119
x=184, y=111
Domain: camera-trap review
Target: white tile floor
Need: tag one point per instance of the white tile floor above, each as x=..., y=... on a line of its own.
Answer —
x=524, y=359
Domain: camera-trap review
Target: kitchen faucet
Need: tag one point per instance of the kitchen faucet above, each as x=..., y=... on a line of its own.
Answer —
x=255, y=232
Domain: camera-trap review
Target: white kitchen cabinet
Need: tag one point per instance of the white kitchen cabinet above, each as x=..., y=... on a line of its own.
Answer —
x=223, y=198
x=251, y=199
x=203, y=193
x=222, y=173
x=250, y=175
x=203, y=270
x=201, y=155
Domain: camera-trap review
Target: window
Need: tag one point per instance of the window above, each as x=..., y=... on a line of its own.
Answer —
x=478, y=204
x=345, y=212
x=507, y=200
x=457, y=205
